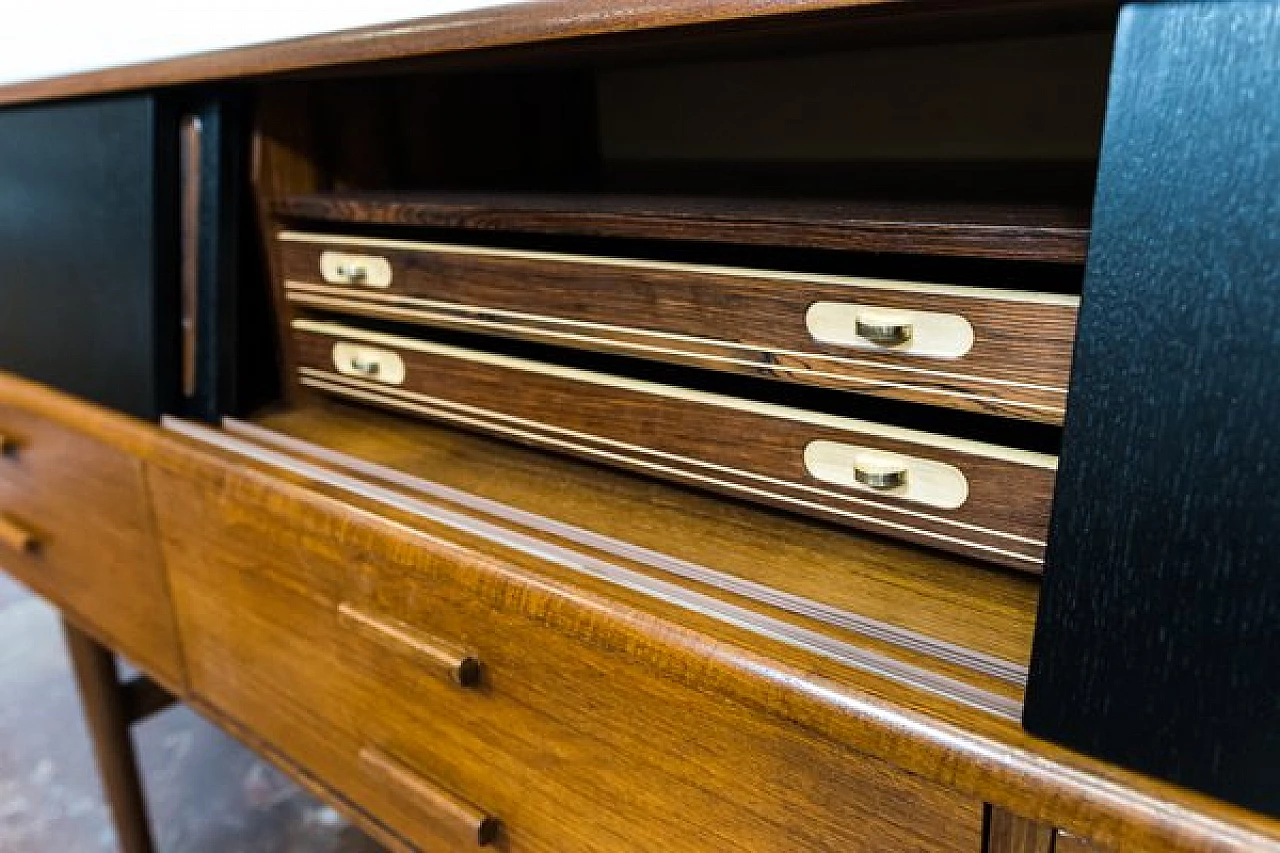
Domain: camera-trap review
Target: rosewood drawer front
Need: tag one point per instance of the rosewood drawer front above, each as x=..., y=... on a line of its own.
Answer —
x=987, y=350
x=75, y=525
x=469, y=704
x=980, y=499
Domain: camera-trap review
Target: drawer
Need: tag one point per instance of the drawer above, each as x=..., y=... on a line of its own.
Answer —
x=974, y=498
x=462, y=700
x=998, y=351
x=75, y=526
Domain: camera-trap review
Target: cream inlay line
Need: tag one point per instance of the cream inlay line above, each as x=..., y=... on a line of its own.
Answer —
x=613, y=343
x=1029, y=296
x=970, y=447
x=336, y=385
x=343, y=297
x=490, y=414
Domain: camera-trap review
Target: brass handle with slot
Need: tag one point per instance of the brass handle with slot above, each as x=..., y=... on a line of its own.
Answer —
x=365, y=366
x=16, y=537
x=353, y=273
x=884, y=332
x=880, y=477
x=455, y=664
x=470, y=824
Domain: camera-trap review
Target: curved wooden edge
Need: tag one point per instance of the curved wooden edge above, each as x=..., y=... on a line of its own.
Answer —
x=972, y=753
x=495, y=26
x=90, y=419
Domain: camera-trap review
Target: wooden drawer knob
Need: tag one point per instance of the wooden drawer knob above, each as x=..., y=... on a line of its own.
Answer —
x=16, y=537
x=468, y=822
x=455, y=664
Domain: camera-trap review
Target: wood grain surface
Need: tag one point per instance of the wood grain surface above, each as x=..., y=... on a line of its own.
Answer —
x=980, y=229
x=856, y=586
x=708, y=441
x=722, y=318
x=107, y=716
x=506, y=25
x=572, y=719
x=88, y=539
x=1066, y=843
x=974, y=753
x=857, y=640
x=1009, y=833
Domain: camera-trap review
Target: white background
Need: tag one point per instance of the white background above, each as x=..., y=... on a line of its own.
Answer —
x=45, y=38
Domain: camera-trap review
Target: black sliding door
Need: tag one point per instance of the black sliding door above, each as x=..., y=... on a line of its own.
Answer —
x=83, y=213
x=1158, y=642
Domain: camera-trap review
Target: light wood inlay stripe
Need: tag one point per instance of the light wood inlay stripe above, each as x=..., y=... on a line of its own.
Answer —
x=330, y=297
x=441, y=409
x=959, y=445
x=985, y=293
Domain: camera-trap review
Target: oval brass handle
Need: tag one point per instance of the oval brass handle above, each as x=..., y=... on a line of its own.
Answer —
x=884, y=332
x=470, y=824
x=880, y=477
x=17, y=537
x=354, y=273
x=455, y=664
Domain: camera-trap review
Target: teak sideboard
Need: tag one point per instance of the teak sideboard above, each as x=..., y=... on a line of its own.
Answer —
x=805, y=425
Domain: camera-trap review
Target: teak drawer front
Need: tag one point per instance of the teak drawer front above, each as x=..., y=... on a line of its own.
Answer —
x=341, y=639
x=979, y=499
x=1004, y=352
x=75, y=525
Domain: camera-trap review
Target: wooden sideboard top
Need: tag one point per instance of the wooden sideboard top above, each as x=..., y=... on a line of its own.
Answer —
x=508, y=25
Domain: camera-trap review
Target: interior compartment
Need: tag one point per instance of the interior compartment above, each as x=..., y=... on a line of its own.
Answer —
x=947, y=154
x=982, y=148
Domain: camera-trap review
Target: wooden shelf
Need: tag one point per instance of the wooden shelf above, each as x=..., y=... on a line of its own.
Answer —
x=988, y=229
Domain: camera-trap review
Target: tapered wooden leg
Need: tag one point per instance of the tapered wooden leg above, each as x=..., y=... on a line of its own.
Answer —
x=107, y=713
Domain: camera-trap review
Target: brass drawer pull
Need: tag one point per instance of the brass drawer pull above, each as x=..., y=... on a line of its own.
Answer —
x=363, y=270
x=880, y=477
x=913, y=479
x=16, y=537
x=470, y=823
x=883, y=332
x=365, y=362
x=360, y=364
x=453, y=663
x=883, y=328
x=353, y=273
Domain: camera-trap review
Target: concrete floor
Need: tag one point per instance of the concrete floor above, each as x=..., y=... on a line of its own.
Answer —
x=207, y=793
